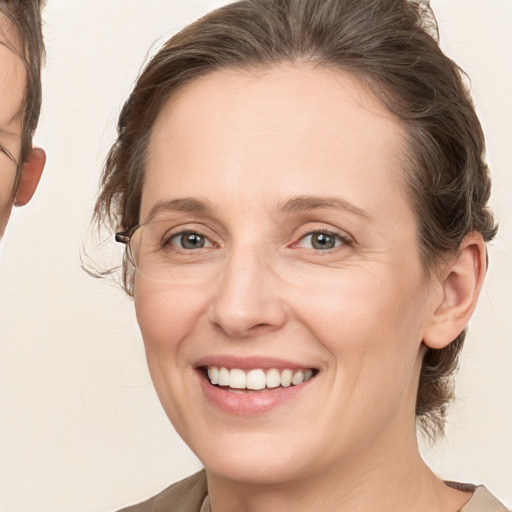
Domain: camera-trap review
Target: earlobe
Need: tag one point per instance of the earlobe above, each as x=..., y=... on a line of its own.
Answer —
x=461, y=284
x=30, y=176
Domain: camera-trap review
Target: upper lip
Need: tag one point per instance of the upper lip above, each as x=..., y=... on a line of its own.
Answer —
x=250, y=363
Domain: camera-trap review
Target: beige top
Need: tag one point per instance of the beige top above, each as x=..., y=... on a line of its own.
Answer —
x=191, y=495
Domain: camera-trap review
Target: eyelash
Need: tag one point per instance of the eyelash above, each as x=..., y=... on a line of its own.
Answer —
x=339, y=240
x=167, y=240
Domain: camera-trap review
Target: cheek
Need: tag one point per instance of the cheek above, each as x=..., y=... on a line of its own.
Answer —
x=356, y=304
x=371, y=325
x=167, y=313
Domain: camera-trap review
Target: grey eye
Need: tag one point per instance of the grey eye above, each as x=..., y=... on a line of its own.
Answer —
x=321, y=241
x=190, y=240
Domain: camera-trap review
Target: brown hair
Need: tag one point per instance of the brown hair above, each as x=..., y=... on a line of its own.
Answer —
x=26, y=18
x=390, y=44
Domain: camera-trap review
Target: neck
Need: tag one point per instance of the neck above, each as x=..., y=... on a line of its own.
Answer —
x=384, y=479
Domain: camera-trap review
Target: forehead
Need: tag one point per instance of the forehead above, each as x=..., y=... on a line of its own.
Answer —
x=291, y=130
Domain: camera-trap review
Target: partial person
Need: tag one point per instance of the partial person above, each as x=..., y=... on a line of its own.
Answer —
x=303, y=193
x=21, y=57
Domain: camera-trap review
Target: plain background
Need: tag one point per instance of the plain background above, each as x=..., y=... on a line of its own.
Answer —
x=81, y=428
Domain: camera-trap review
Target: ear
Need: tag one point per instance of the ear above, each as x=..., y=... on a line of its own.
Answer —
x=30, y=175
x=461, y=282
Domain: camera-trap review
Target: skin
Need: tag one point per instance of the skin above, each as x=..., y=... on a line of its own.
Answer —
x=247, y=143
x=12, y=90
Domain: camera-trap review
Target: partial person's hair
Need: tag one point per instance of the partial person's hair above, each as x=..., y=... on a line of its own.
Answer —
x=25, y=16
x=389, y=45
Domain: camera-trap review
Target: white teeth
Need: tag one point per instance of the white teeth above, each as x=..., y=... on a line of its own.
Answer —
x=256, y=379
x=273, y=378
x=286, y=378
x=298, y=378
x=223, y=379
x=213, y=374
x=237, y=379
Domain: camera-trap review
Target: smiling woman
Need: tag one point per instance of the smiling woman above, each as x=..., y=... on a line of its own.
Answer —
x=301, y=188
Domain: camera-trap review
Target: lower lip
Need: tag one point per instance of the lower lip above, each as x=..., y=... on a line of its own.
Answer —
x=252, y=403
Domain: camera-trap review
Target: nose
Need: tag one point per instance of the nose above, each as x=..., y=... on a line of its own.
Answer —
x=247, y=299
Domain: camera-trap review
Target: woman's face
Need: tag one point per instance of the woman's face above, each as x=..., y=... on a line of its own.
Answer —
x=291, y=248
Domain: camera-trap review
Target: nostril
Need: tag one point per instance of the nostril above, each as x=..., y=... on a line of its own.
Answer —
x=260, y=327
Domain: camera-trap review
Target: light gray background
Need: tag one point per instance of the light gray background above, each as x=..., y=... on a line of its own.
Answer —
x=80, y=425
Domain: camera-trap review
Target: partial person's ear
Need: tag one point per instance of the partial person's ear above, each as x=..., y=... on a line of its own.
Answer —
x=30, y=176
x=461, y=283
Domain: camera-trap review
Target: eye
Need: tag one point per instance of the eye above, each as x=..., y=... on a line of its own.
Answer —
x=189, y=240
x=321, y=241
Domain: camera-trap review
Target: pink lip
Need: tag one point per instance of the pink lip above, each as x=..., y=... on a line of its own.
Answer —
x=248, y=403
x=248, y=363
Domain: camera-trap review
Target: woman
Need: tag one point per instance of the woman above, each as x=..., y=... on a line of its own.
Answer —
x=303, y=195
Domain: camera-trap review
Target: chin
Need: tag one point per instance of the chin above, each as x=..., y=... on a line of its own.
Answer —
x=253, y=458
x=254, y=471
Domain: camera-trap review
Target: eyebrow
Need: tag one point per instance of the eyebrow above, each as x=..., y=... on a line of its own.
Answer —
x=186, y=205
x=302, y=204
x=298, y=204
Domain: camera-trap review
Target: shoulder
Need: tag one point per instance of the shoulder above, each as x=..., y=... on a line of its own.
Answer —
x=483, y=501
x=183, y=496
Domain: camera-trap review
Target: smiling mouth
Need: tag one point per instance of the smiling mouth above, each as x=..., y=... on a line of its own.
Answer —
x=237, y=380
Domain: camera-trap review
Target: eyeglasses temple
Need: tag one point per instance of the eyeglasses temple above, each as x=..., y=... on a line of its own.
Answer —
x=123, y=237
x=8, y=153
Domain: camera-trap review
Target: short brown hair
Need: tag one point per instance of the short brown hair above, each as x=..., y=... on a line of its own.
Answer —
x=392, y=45
x=25, y=16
